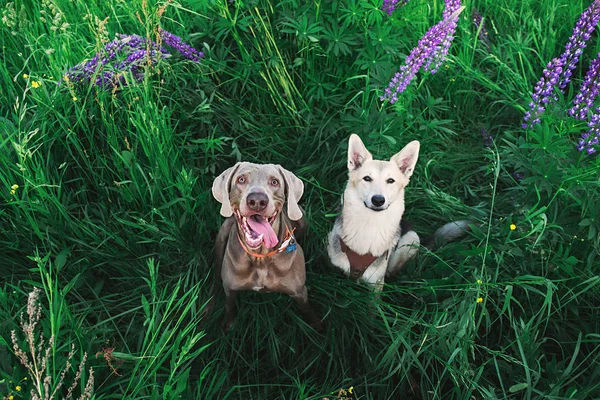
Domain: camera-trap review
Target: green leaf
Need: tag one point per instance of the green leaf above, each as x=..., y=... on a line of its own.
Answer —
x=507, y=297
x=70, y=285
x=61, y=259
x=182, y=382
x=127, y=157
x=146, y=306
x=518, y=387
x=585, y=222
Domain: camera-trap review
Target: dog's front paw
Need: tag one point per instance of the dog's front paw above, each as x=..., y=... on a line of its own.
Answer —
x=317, y=325
x=226, y=324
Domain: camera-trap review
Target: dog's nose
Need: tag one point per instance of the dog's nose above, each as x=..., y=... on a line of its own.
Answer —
x=257, y=201
x=378, y=200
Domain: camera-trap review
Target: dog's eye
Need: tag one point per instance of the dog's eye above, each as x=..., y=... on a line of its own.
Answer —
x=241, y=179
x=367, y=179
x=275, y=182
x=390, y=181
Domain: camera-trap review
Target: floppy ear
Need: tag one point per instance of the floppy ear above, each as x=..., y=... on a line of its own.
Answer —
x=294, y=189
x=406, y=159
x=220, y=189
x=357, y=153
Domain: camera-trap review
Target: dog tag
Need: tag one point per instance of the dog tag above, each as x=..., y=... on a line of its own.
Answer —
x=291, y=246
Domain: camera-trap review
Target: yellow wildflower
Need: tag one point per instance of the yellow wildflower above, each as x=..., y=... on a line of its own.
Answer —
x=14, y=187
x=512, y=227
x=350, y=389
x=480, y=299
x=36, y=84
x=74, y=98
x=13, y=192
x=18, y=388
x=66, y=78
x=11, y=397
x=479, y=281
x=25, y=76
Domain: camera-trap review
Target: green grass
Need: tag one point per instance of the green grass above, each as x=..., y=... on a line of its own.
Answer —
x=114, y=220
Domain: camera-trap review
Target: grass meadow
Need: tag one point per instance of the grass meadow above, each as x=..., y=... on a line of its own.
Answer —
x=105, y=203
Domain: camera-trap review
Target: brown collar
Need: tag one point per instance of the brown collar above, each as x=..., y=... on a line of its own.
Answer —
x=358, y=262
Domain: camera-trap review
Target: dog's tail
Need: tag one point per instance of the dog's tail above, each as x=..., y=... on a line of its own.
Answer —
x=447, y=233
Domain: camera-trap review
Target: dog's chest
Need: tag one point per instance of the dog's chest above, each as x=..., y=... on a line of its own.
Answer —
x=262, y=280
x=265, y=277
x=373, y=233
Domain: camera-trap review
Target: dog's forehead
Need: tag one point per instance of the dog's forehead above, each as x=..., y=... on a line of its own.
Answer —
x=384, y=167
x=258, y=171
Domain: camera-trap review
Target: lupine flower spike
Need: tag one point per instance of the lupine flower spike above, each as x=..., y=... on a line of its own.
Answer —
x=430, y=53
x=590, y=88
x=390, y=5
x=558, y=71
x=488, y=139
x=183, y=48
x=134, y=52
x=590, y=139
x=483, y=36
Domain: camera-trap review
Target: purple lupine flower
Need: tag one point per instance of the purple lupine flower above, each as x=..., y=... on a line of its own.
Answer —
x=483, y=35
x=431, y=50
x=105, y=78
x=543, y=92
x=488, y=139
x=134, y=51
x=185, y=49
x=518, y=175
x=590, y=139
x=588, y=93
x=440, y=51
x=86, y=70
x=390, y=5
x=558, y=72
x=131, y=41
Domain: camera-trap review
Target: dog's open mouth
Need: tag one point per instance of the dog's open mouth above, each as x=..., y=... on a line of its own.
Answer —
x=258, y=229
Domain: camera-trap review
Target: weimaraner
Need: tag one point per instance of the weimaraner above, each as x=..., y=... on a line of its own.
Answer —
x=256, y=246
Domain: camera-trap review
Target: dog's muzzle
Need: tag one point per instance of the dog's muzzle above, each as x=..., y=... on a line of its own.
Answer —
x=374, y=208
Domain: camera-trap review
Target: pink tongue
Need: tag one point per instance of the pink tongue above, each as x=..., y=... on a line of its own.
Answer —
x=261, y=225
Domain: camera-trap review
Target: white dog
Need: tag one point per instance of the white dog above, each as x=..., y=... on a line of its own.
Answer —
x=369, y=239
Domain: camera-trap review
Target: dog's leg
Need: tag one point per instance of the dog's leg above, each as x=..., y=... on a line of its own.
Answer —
x=405, y=250
x=230, y=309
x=374, y=276
x=307, y=311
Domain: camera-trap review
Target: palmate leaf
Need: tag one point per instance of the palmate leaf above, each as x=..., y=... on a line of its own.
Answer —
x=340, y=39
x=302, y=28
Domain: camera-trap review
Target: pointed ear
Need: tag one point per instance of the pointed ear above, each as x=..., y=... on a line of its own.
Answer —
x=406, y=159
x=294, y=189
x=220, y=189
x=357, y=153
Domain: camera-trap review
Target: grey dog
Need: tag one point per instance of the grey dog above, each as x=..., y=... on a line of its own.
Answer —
x=257, y=245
